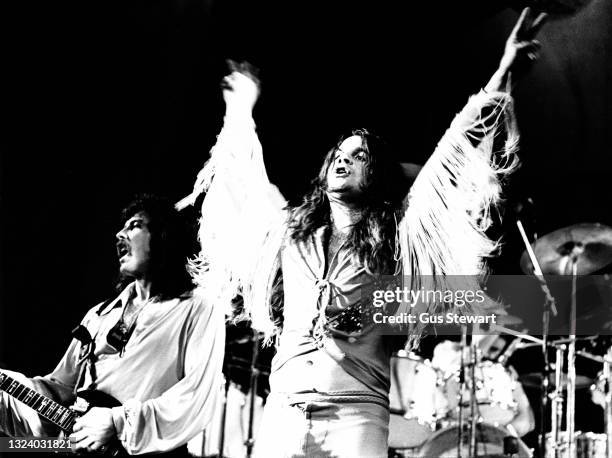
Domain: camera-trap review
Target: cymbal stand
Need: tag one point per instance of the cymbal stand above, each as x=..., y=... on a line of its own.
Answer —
x=461, y=389
x=571, y=360
x=557, y=401
x=221, y=443
x=607, y=375
x=549, y=307
x=472, y=451
x=250, y=441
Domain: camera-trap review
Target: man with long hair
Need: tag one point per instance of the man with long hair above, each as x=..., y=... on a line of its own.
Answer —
x=303, y=271
x=157, y=348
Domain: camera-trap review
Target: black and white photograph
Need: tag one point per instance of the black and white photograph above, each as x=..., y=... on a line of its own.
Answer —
x=335, y=229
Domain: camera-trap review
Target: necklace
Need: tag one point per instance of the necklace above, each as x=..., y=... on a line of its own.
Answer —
x=336, y=240
x=131, y=312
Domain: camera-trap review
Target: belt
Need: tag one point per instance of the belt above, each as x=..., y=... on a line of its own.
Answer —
x=339, y=397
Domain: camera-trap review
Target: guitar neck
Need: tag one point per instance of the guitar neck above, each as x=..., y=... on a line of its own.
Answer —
x=46, y=408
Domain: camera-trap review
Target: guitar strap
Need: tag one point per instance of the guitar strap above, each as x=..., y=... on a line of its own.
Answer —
x=87, y=356
x=105, y=304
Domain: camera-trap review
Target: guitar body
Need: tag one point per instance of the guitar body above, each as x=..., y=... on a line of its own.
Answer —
x=86, y=399
x=98, y=399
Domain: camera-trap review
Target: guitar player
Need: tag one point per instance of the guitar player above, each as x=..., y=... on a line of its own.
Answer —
x=157, y=348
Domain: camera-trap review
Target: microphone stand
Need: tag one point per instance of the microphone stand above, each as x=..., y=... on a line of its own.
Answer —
x=549, y=307
x=461, y=388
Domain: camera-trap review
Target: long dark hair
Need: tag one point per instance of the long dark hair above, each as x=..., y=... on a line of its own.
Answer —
x=170, y=246
x=372, y=238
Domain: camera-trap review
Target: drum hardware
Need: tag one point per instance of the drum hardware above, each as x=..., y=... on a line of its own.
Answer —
x=583, y=445
x=250, y=441
x=586, y=445
x=607, y=376
x=520, y=335
x=507, y=353
x=587, y=355
x=557, y=399
x=243, y=366
x=532, y=266
x=473, y=400
x=221, y=443
x=590, y=242
x=602, y=387
x=580, y=249
x=462, y=384
x=534, y=380
x=578, y=339
x=503, y=357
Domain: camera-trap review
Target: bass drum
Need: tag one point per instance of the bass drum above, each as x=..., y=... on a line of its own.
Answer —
x=489, y=443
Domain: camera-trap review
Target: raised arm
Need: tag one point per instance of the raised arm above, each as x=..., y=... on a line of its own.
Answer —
x=481, y=116
x=446, y=214
x=521, y=51
x=241, y=206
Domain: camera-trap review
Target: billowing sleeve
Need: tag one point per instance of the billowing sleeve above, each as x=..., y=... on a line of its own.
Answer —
x=59, y=384
x=447, y=212
x=172, y=419
x=240, y=211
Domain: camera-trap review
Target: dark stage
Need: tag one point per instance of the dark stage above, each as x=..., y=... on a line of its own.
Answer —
x=107, y=99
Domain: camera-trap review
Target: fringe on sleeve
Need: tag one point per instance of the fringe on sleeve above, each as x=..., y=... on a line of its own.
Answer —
x=239, y=212
x=442, y=234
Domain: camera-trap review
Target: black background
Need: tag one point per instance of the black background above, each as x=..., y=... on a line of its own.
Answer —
x=101, y=100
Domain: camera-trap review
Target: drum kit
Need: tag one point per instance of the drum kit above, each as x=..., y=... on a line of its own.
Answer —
x=433, y=407
x=467, y=411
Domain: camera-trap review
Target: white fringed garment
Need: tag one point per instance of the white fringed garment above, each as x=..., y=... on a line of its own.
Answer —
x=442, y=233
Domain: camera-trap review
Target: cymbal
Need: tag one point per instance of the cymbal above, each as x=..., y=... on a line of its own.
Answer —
x=591, y=243
x=534, y=380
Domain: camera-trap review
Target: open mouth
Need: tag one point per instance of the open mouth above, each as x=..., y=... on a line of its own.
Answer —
x=341, y=171
x=122, y=249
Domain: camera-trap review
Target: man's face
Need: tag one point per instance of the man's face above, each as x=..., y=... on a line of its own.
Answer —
x=348, y=171
x=134, y=246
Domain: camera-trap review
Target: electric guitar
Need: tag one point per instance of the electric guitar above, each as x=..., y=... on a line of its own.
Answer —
x=63, y=417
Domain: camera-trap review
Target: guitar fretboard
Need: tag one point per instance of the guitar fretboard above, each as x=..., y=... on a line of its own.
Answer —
x=47, y=408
